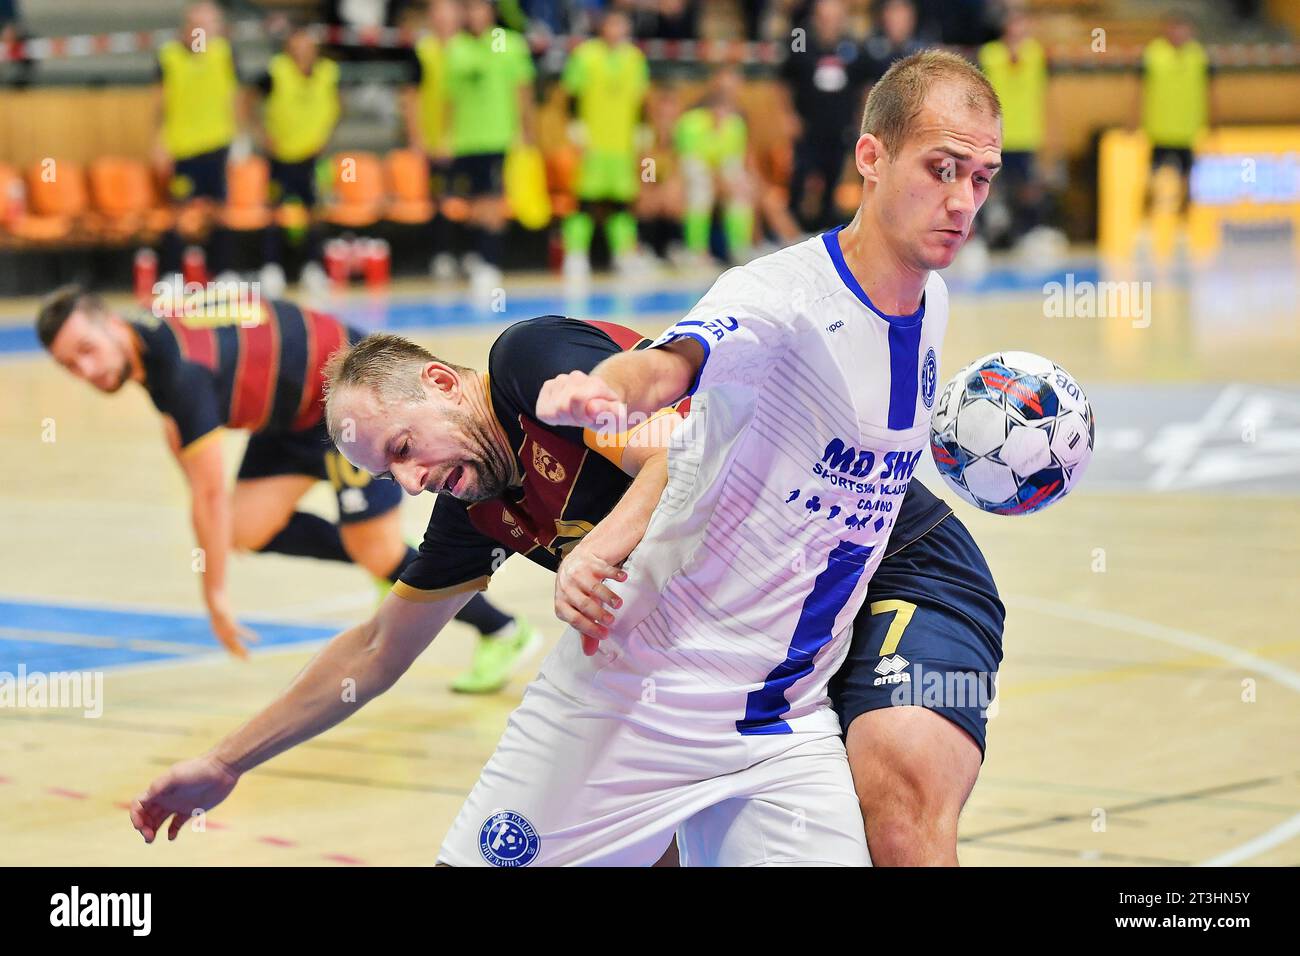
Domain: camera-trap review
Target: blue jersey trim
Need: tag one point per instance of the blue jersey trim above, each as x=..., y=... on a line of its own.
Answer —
x=676, y=333
x=832, y=242
x=904, y=371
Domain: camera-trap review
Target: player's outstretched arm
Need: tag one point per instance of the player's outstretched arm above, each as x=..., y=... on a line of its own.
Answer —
x=623, y=385
x=352, y=669
x=210, y=514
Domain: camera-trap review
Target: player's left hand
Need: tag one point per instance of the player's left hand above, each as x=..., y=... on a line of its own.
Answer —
x=233, y=636
x=581, y=598
x=582, y=400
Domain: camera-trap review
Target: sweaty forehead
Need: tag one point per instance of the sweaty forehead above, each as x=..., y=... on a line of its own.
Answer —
x=362, y=426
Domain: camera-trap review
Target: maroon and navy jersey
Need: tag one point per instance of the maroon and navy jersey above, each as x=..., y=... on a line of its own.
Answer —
x=570, y=477
x=264, y=376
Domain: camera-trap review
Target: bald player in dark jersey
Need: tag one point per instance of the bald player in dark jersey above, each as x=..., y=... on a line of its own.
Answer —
x=256, y=367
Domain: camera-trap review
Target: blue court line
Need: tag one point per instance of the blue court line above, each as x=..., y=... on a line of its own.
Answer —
x=123, y=626
x=407, y=314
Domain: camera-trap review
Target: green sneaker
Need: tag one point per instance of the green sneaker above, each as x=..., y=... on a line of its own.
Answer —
x=496, y=659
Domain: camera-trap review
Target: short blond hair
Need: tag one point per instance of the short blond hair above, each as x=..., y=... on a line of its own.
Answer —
x=897, y=99
x=388, y=366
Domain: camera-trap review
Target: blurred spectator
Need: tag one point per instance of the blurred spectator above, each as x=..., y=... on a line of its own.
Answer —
x=489, y=77
x=754, y=13
x=1016, y=66
x=425, y=109
x=958, y=22
x=1175, y=93
x=361, y=15
x=1247, y=9
x=895, y=39
x=712, y=142
x=300, y=110
x=607, y=77
x=825, y=76
x=669, y=19
x=548, y=16
x=11, y=32
x=198, y=107
x=661, y=205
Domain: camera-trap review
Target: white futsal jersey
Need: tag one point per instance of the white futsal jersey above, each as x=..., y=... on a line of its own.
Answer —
x=705, y=713
x=811, y=412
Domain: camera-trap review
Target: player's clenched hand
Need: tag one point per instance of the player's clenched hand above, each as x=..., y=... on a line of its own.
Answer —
x=581, y=598
x=583, y=400
x=190, y=785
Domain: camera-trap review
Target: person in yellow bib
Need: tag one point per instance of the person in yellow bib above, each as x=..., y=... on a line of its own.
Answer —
x=712, y=142
x=489, y=103
x=1175, y=93
x=661, y=203
x=199, y=113
x=1016, y=67
x=424, y=108
x=300, y=111
x=607, y=78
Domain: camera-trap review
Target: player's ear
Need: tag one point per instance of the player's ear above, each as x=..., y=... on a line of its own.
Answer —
x=867, y=154
x=440, y=378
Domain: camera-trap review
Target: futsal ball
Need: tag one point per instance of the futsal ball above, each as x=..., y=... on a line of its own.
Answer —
x=1011, y=433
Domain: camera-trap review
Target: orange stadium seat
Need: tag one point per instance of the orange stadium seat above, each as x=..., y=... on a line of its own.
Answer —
x=122, y=192
x=247, y=195
x=57, y=203
x=407, y=175
x=358, y=190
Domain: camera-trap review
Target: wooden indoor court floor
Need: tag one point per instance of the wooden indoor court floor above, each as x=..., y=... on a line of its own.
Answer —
x=1148, y=703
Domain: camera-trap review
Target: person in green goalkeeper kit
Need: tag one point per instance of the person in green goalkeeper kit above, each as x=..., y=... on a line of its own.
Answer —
x=489, y=108
x=713, y=144
x=607, y=77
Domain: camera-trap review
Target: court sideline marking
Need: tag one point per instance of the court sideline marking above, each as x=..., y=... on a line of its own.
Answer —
x=1207, y=645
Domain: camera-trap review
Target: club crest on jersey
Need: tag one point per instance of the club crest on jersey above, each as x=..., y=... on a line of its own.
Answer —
x=544, y=464
x=508, y=839
x=929, y=378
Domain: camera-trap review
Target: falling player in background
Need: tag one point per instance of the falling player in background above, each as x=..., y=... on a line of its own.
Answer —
x=607, y=77
x=262, y=370
x=712, y=143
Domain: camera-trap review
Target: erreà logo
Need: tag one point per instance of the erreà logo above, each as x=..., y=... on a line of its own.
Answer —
x=894, y=465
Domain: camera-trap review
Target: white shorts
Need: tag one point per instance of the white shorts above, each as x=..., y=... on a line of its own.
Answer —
x=571, y=784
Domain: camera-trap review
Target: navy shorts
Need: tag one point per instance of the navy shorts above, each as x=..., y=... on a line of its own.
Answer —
x=200, y=177
x=312, y=453
x=929, y=635
x=478, y=174
x=291, y=181
x=439, y=176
